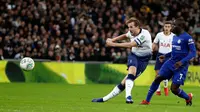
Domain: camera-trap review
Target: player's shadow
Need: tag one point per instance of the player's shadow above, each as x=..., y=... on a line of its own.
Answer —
x=14, y=72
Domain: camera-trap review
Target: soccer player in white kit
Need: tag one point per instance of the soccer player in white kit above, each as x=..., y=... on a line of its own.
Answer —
x=141, y=44
x=163, y=43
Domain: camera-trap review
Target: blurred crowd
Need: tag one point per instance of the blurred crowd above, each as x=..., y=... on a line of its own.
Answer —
x=76, y=30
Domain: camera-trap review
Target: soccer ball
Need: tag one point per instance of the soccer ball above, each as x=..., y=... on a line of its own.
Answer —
x=27, y=64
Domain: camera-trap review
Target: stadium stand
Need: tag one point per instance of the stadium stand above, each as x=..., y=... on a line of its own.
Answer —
x=76, y=30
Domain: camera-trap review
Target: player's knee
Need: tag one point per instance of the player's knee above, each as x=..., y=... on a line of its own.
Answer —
x=158, y=79
x=174, y=90
x=132, y=70
x=121, y=86
x=131, y=77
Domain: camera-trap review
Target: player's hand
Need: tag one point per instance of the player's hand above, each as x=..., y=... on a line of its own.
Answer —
x=178, y=64
x=109, y=42
x=161, y=58
x=108, y=39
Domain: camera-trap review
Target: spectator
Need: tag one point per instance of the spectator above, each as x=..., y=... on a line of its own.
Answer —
x=1, y=54
x=76, y=30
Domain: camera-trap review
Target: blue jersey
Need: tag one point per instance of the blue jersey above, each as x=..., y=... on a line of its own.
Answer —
x=183, y=49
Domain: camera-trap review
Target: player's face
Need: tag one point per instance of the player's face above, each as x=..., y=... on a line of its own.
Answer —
x=176, y=29
x=167, y=28
x=132, y=28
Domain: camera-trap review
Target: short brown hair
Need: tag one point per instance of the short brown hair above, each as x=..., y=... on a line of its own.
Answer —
x=132, y=19
x=168, y=22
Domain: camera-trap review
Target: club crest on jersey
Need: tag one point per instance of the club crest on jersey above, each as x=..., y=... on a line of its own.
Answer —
x=142, y=37
x=179, y=41
x=190, y=41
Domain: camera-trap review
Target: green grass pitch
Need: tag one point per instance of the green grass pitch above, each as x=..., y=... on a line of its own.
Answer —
x=40, y=97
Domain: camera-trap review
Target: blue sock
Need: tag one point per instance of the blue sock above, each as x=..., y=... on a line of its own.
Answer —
x=182, y=94
x=131, y=77
x=153, y=88
x=121, y=87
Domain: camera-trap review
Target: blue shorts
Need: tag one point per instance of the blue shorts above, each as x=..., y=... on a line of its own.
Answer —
x=178, y=76
x=139, y=62
x=158, y=64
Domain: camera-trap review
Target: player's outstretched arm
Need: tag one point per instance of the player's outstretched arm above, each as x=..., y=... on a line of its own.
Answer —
x=192, y=52
x=121, y=37
x=137, y=42
x=191, y=55
x=125, y=44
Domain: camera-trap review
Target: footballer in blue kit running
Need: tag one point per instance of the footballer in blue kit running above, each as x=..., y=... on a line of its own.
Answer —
x=183, y=50
x=141, y=44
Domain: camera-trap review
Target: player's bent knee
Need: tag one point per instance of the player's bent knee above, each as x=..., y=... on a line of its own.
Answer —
x=174, y=89
x=132, y=70
x=159, y=79
x=121, y=86
x=131, y=77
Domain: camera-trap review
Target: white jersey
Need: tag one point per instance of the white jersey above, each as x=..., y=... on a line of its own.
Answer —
x=165, y=42
x=144, y=42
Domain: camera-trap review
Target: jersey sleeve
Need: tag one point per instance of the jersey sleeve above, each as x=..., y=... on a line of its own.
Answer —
x=139, y=40
x=156, y=40
x=190, y=41
x=192, y=52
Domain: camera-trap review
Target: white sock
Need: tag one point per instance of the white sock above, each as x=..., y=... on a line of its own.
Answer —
x=112, y=94
x=158, y=88
x=165, y=83
x=128, y=87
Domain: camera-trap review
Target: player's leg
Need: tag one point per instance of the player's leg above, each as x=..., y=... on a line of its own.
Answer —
x=158, y=92
x=136, y=66
x=154, y=86
x=157, y=68
x=158, y=65
x=119, y=88
x=166, y=87
x=132, y=64
x=116, y=90
x=165, y=73
x=177, y=80
x=175, y=88
x=166, y=90
x=129, y=83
